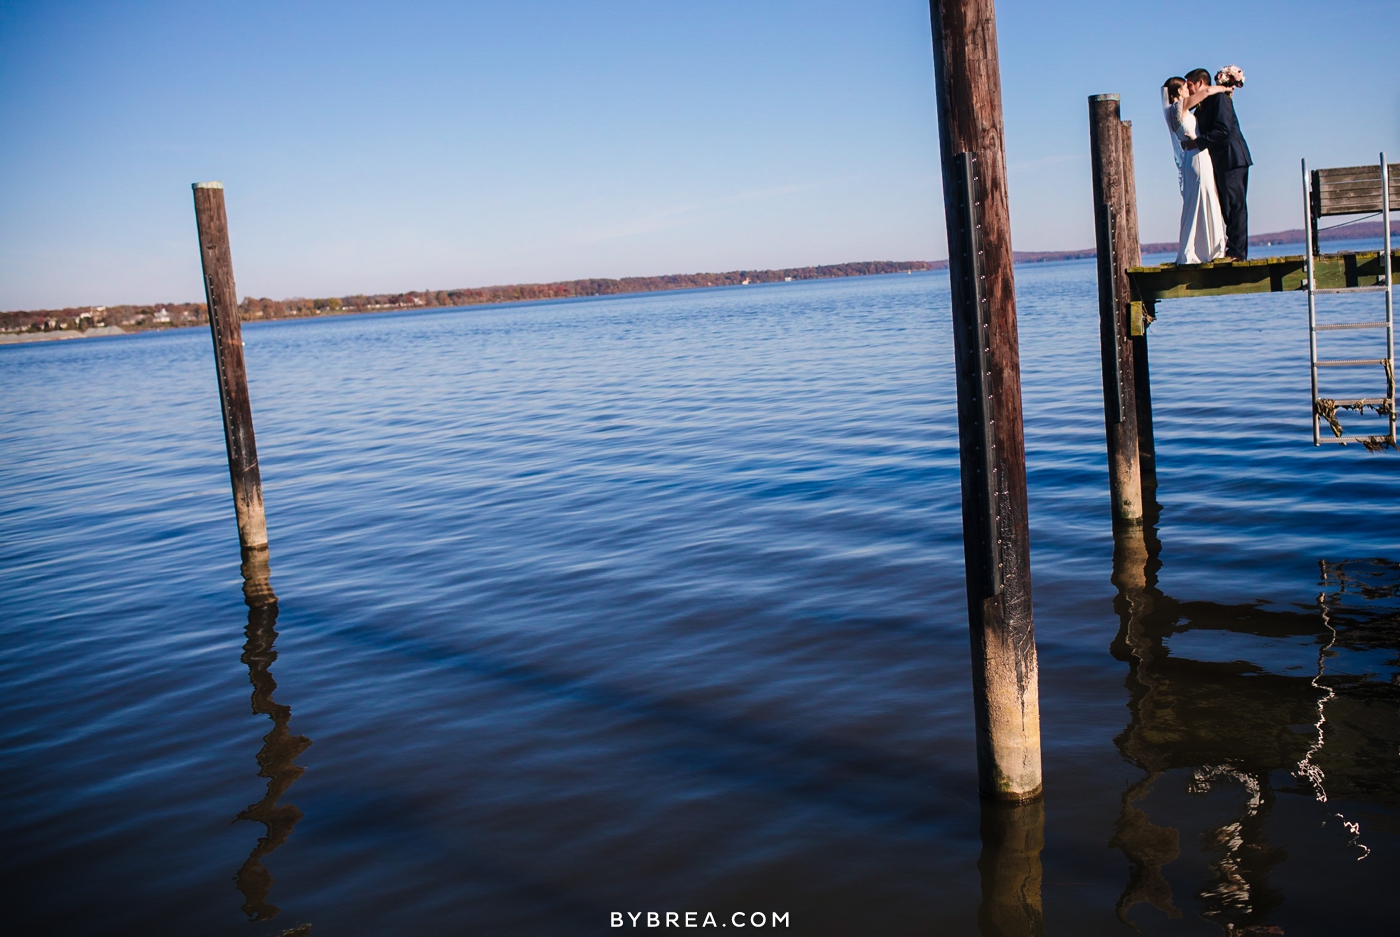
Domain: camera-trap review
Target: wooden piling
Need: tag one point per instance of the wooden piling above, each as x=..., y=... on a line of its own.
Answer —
x=1115, y=247
x=1142, y=381
x=996, y=544
x=222, y=299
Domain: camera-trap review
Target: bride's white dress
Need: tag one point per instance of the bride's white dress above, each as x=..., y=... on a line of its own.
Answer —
x=1202, y=224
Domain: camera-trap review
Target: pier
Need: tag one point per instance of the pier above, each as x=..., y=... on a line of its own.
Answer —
x=1130, y=296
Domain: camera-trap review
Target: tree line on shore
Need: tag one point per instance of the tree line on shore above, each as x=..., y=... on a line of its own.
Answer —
x=172, y=315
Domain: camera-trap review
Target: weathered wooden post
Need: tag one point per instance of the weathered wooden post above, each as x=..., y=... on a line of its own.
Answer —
x=996, y=543
x=222, y=300
x=1114, y=247
x=1131, y=249
x=1142, y=381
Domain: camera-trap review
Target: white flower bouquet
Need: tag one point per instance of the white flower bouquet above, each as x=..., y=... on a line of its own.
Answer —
x=1231, y=76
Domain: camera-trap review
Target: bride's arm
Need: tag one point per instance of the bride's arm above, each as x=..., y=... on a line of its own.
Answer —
x=1201, y=95
x=1173, y=114
x=1191, y=143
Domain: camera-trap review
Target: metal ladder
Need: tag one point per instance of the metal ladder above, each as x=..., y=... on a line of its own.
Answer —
x=1350, y=191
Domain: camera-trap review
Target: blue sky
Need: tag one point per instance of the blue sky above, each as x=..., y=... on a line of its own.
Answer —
x=371, y=147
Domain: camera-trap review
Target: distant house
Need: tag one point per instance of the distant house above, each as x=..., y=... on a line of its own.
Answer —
x=162, y=315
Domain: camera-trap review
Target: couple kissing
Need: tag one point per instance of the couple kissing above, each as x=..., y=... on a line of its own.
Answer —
x=1212, y=162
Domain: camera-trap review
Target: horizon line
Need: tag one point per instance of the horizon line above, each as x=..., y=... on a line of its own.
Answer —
x=675, y=281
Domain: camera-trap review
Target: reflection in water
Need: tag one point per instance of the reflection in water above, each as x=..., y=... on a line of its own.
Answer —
x=1148, y=848
x=1233, y=724
x=1012, y=838
x=280, y=747
x=1372, y=583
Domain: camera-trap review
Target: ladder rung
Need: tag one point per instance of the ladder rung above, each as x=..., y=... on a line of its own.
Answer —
x=1352, y=325
x=1351, y=362
x=1347, y=439
x=1353, y=289
x=1362, y=402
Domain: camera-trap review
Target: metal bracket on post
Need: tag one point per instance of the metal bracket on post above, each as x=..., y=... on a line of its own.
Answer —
x=1389, y=275
x=1113, y=321
x=975, y=316
x=1310, y=281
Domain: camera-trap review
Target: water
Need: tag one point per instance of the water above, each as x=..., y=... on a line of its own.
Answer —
x=655, y=603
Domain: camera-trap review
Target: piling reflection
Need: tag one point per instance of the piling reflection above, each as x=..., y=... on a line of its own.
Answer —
x=1237, y=728
x=276, y=759
x=1013, y=836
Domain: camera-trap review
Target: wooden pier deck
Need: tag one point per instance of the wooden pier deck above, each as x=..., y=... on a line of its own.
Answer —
x=1348, y=270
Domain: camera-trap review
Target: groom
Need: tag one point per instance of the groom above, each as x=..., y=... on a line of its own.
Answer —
x=1218, y=131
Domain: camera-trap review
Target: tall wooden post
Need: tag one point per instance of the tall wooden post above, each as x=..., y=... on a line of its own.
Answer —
x=996, y=543
x=1142, y=380
x=222, y=301
x=1147, y=443
x=1111, y=225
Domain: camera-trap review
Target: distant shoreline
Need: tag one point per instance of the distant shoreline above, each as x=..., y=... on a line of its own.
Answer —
x=25, y=326
x=24, y=338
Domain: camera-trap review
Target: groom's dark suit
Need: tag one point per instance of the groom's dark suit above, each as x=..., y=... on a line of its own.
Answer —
x=1218, y=129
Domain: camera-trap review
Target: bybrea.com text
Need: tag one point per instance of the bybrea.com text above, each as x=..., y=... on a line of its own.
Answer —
x=699, y=919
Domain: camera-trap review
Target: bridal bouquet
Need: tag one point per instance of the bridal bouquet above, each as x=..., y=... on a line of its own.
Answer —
x=1231, y=76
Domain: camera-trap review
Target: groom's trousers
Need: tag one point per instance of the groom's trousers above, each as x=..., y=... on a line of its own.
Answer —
x=1231, y=185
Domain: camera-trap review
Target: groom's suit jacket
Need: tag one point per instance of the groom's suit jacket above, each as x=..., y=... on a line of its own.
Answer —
x=1217, y=126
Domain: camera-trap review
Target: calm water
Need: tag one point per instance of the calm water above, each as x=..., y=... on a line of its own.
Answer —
x=656, y=603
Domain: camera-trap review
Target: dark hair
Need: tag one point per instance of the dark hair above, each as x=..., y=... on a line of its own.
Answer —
x=1199, y=76
x=1173, y=86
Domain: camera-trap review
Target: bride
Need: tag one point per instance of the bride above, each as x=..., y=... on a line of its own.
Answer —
x=1202, y=224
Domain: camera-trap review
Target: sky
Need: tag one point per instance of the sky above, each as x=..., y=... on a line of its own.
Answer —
x=385, y=147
